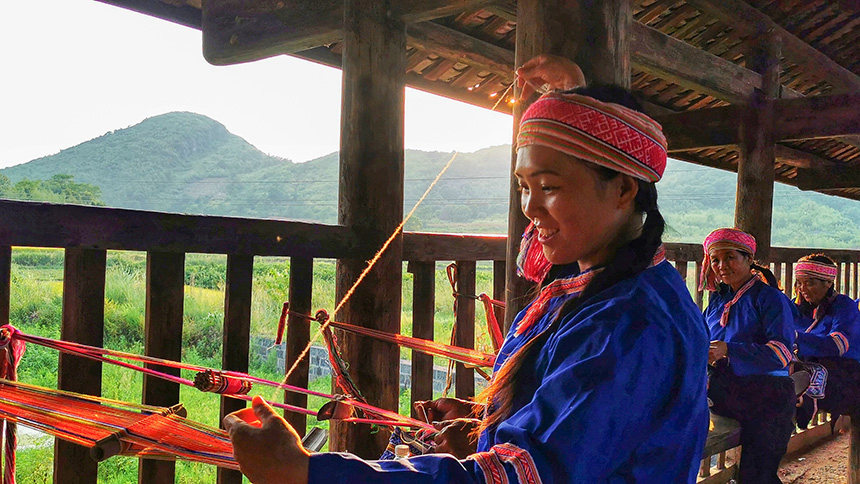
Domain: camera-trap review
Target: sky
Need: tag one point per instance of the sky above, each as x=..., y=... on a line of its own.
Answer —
x=65, y=82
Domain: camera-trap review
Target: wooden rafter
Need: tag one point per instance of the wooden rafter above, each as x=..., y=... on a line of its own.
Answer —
x=831, y=179
x=235, y=32
x=749, y=21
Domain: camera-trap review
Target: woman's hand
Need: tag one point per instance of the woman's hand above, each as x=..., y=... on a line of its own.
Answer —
x=271, y=452
x=717, y=351
x=557, y=72
x=455, y=437
x=445, y=409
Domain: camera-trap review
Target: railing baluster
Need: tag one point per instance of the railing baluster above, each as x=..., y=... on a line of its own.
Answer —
x=236, y=336
x=839, y=287
x=423, y=312
x=705, y=468
x=681, y=266
x=83, y=322
x=465, y=337
x=789, y=279
x=499, y=268
x=165, y=296
x=5, y=282
x=700, y=295
x=298, y=336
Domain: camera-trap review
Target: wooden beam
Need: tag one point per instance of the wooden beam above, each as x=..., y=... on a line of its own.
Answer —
x=419, y=246
x=236, y=336
x=298, y=336
x=818, y=116
x=455, y=45
x=372, y=118
x=165, y=296
x=83, y=322
x=23, y=223
x=235, y=31
x=756, y=167
x=803, y=159
x=701, y=128
x=828, y=179
x=749, y=21
x=674, y=60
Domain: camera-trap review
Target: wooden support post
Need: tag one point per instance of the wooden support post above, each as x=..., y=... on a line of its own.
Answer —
x=423, y=312
x=789, y=279
x=83, y=322
x=465, y=337
x=298, y=336
x=165, y=298
x=5, y=282
x=854, y=451
x=236, y=337
x=754, y=198
x=595, y=34
x=372, y=117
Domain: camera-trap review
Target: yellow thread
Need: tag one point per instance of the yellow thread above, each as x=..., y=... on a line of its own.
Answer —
x=502, y=96
x=366, y=270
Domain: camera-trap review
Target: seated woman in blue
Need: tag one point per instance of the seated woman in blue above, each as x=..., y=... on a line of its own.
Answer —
x=751, y=325
x=602, y=377
x=828, y=333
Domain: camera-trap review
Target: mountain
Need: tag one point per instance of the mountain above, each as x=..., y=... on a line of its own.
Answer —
x=189, y=163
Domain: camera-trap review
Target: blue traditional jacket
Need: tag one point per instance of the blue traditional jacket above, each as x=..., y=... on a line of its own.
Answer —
x=836, y=334
x=617, y=394
x=759, y=330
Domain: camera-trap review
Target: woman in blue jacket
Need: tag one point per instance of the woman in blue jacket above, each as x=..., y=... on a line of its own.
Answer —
x=602, y=377
x=828, y=333
x=751, y=326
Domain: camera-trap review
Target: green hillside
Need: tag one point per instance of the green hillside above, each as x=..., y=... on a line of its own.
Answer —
x=185, y=162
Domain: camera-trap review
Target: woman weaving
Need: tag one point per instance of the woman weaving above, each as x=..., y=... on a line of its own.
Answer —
x=602, y=376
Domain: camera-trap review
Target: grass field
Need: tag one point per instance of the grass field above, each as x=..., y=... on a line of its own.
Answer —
x=36, y=308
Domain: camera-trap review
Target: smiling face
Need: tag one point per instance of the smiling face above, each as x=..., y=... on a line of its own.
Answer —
x=812, y=289
x=731, y=266
x=578, y=214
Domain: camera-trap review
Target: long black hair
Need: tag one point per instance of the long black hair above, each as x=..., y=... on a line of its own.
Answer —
x=629, y=260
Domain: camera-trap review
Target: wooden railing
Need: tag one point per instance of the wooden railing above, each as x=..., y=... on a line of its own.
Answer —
x=86, y=233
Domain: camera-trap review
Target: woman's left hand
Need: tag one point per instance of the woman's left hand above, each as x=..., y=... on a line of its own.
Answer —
x=456, y=437
x=271, y=452
x=717, y=351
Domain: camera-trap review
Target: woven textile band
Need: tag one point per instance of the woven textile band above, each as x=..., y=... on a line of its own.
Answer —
x=816, y=270
x=723, y=239
x=607, y=134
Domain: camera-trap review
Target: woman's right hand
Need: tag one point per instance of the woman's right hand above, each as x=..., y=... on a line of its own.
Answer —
x=446, y=409
x=457, y=437
x=558, y=73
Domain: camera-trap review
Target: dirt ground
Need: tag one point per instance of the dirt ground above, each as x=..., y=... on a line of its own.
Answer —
x=826, y=463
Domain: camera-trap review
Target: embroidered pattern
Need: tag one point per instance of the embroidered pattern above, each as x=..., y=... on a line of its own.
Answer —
x=491, y=466
x=606, y=134
x=522, y=461
x=841, y=342
x=724, y=318
x=781, y=351
x=817, y=270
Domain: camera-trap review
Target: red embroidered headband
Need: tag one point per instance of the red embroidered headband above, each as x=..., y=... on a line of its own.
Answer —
x=815, y=269
x=723, y=239
x=607, y=134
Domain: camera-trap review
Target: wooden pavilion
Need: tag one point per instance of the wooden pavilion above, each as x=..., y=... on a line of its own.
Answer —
x=765, y=88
